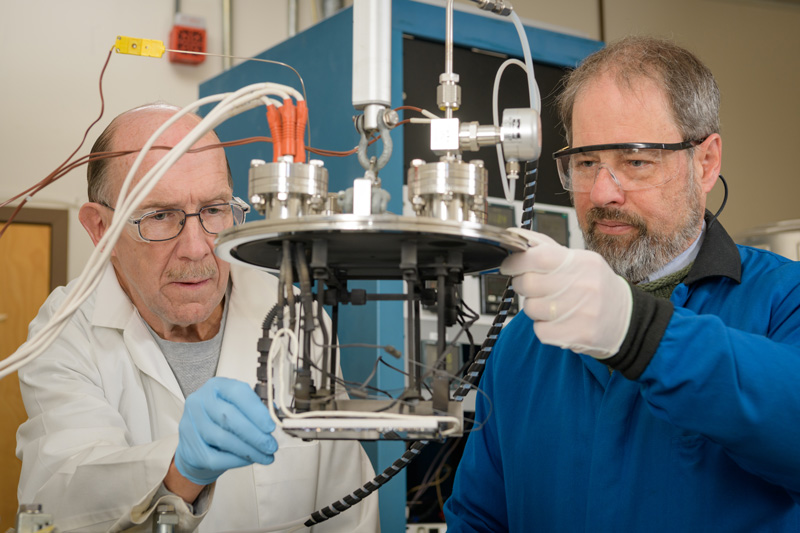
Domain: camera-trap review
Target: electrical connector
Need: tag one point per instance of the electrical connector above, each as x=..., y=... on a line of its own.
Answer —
x=139, y=47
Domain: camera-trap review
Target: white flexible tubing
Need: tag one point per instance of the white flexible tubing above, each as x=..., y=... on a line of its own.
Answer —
x=125, y=206
x=429, y=114
x=508, y=190
x=269, y=102
x=285, y=353
x=533, y=88
x=278, y=344
x=287, y=90
x=232, y=104
x=146, y=147
x=86, y=283
x=533, y=93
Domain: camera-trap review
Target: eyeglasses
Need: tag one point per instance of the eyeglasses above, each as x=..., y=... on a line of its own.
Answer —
x=633, y=166
x=166, y=224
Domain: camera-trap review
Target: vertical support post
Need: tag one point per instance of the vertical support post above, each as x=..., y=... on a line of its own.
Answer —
x=372, y=58
x=441, y=384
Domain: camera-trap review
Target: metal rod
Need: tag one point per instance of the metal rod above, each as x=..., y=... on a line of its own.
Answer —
x=389, y=297
x=417, y=349
x=227, y=34
x=448, y=50
x=334, y=344
x=326, y=352
x=331, y=7
x=441, y=308
x=441, y=384
x=292, y=5
x=413, y=340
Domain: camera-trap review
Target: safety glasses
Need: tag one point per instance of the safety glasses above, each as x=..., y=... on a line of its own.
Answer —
x=632, y=166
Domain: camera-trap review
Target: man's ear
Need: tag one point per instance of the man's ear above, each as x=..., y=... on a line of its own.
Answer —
x=93, y=219
x=710, y=159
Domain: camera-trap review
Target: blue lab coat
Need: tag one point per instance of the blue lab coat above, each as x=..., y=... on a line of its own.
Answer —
x=697, y=429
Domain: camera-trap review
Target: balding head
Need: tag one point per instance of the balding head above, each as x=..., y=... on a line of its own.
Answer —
x=177, y=284
x=129, y=131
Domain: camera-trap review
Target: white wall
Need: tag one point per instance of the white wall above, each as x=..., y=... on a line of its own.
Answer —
x=53, y=51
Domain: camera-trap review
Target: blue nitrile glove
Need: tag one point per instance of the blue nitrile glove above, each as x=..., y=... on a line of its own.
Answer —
x=224, y=425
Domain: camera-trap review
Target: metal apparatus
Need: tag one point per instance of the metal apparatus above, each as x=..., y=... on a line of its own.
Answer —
x=307, y=239
x=285, y=189
x=30, y=518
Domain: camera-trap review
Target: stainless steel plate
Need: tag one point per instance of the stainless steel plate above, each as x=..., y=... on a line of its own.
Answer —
x=370, y=247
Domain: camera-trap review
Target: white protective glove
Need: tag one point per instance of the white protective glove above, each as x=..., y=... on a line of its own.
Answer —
x=573, y=297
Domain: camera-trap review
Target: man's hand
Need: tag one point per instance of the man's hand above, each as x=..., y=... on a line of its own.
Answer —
x=224, y=426
x=574, y=298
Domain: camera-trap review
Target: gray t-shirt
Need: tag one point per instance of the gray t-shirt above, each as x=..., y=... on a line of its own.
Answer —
x=194, y=363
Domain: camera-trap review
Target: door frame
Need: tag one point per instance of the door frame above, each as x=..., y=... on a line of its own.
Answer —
x=58, y=220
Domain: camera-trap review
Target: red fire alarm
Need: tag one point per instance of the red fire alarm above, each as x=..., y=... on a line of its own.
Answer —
x=188, y=34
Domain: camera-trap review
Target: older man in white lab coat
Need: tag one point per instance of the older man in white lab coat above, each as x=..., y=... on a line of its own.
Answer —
x=146, y=396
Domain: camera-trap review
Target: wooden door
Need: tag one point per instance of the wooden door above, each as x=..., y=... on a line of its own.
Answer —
x=25, y=281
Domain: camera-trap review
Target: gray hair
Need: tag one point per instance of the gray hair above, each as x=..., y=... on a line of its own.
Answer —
x=689, y=86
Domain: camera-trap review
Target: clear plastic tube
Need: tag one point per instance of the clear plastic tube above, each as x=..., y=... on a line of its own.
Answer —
x=508, y=189
x=533, y=94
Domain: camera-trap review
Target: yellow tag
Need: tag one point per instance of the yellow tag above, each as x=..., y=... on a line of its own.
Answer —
x=139, y=47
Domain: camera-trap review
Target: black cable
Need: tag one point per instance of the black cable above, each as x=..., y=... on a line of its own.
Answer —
x=270, y=318
x=474, y=373
x=724, y=201
x=475, y=370
x=368, y=488
x=350, y=385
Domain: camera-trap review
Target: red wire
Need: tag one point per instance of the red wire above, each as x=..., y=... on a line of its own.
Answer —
x=50, y=178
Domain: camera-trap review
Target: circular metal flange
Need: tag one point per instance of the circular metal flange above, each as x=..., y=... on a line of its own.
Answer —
x=449, y=190
x=285, y=189
x=370, y=247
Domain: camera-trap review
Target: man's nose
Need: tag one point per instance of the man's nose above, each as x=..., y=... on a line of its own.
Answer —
x=194, y=239
x=606, y=188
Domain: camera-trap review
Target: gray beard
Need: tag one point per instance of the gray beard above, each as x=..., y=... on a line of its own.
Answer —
x=637, y=257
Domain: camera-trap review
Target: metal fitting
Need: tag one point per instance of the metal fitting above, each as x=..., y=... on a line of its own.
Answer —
x=495, y=6
x=472, y=136
x=30, y=518
x=448, y=93
x=166, y=519
x=391, y=118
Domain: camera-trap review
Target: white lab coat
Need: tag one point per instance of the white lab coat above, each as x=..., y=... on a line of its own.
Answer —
x=104, y=406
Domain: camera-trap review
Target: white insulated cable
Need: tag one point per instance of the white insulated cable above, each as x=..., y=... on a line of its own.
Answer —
x=284, y=350
x=231, y=104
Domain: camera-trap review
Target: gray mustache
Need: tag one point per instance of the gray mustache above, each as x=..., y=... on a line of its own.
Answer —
x=193, y=272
